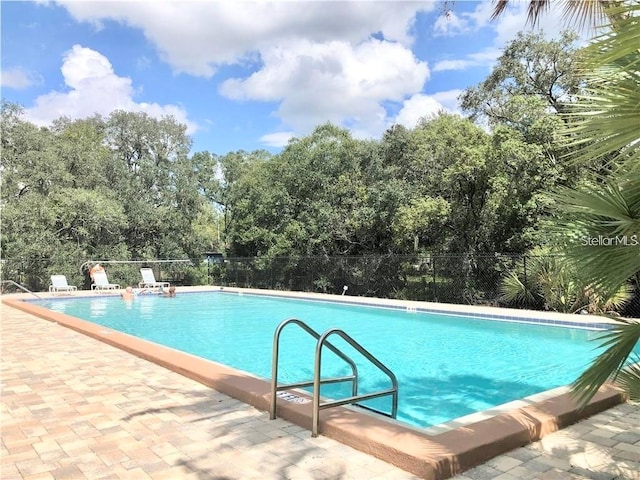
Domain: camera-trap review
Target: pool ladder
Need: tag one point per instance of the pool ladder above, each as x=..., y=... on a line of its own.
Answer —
x=317, y=380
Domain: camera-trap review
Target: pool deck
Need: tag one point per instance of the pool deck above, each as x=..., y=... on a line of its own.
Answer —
x=75, y=407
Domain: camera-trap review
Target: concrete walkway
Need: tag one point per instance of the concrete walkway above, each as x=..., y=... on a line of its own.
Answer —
x=75, y=408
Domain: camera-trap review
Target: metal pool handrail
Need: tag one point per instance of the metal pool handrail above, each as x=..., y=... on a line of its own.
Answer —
x=16, y=284
x=317, y=406
x=318, y=381
x=353, y=378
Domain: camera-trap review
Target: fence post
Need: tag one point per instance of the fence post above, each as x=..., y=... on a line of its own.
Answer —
x=434, y=297
x=524, y=263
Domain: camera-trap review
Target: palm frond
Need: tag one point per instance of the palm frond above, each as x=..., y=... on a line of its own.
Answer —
x=589, y=13
x=601, y=224
x=578, y=12
x=619, y=343
x=612, y=207
x=617, y=300
x=535, y=11
x=619, y=40
x=499, y=7
x=556, y=280
x=604, y=123
x=513, y=290
x=629, y=380
x=594, y=302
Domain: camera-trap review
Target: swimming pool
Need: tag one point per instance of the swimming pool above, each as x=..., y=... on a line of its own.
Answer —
x=447, y=365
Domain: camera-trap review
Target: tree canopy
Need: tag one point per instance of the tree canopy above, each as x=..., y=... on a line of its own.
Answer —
x=116, y=187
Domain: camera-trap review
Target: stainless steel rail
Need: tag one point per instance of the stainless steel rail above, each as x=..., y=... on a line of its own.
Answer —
x=353, y=378
x=21, y=288
x=317, y=406
x=317, y=377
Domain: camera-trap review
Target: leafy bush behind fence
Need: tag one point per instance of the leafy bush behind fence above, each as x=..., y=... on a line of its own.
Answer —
x=462, y=279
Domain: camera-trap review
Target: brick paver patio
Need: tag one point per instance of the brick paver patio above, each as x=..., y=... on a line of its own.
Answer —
x=75, y=408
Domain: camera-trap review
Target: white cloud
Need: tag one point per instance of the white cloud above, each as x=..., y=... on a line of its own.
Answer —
x=483, y=58
x=486, y=56
x=417, y=107
x=317, y=59
x=333, y=81
x=143, y=63
x=450, y=24
x=427, y=106
x=449, y=99
x=95, y=88
x=444, y=65
x=277, y=139
x=18, y=78
x=198, y=37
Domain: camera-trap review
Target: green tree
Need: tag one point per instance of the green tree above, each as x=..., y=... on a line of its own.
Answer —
x=526, y=100
x=531, y=76
x=29, y=160
x=86, y=159
x=242, y=186
x=422, y=217
x=158, y=184
x=519, y=195
x=311, y=199
x=116, y=188
x=449, y=161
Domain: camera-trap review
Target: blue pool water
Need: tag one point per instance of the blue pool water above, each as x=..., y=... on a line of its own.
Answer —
x=447, y=366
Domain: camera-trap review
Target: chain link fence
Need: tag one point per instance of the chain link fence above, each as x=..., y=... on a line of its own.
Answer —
x=462, y=279
x=437, y=278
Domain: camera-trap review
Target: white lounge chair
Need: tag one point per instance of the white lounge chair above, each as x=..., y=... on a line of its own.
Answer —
x=59, y=284
x=101, y=282
x=149, y=280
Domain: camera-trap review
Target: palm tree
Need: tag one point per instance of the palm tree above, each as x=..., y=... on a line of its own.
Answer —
x=601, y=225
x=601, y=221
x=594, y=12
x=552, y=283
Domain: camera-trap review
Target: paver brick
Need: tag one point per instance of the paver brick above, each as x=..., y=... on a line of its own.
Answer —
x=40, y=476
x=625, y=455
x=504, y=463
x=506, y=476
x=70, y=472
x=33, y=466
x=524, y=454
x=628, y=436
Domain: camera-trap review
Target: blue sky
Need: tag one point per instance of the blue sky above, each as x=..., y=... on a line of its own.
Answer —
x=249, y=75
